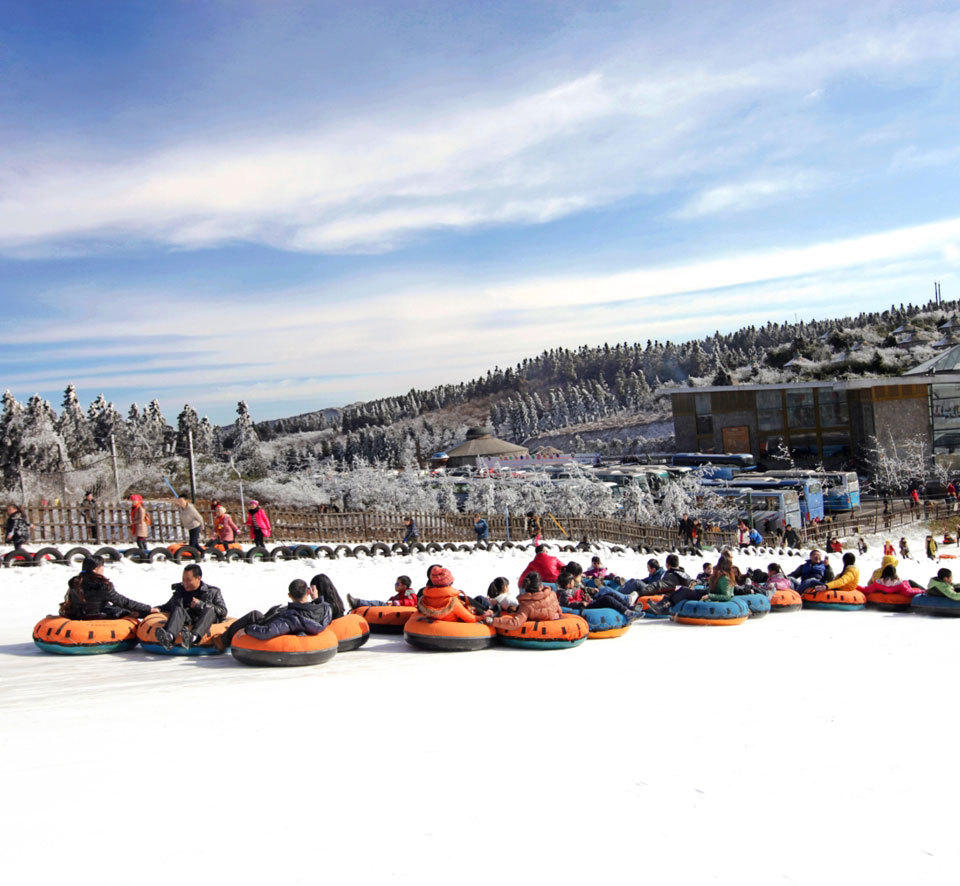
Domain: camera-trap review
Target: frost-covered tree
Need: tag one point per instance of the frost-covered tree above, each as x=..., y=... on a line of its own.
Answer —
x=11, y=437
x=106, y=421
x=188, y=422
x=42, y=448
x=73, y=427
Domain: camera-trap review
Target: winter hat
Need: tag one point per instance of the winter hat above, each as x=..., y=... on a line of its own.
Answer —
x=440, y=577
x=253, y=503
x=136, y=498
x=221, y=510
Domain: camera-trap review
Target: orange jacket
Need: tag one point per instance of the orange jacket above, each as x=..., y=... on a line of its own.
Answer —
x=444, y=604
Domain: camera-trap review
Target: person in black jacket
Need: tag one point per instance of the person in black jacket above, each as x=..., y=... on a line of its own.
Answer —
x=91, y=596
x=674, y=576
x=302, y=615
x=88, y=510
x=192, y=609
x=18, y=529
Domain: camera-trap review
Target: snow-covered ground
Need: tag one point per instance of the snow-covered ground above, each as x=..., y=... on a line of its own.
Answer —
x=812, y=747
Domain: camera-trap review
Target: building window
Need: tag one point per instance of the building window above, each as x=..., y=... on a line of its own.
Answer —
x=945, y=417
x=704, y=416
x=769, y=410
x=833, y=408
x=800, y=408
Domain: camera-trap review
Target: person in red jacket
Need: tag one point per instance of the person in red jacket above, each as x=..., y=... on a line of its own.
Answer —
x=404, y=595
x=545, y=565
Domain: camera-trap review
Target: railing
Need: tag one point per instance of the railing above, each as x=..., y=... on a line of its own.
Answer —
x=109, y=525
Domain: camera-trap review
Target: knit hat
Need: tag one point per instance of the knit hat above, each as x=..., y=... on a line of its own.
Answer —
x=221, y=510
x=136, y=498
x=253, y=503
x=440, y=577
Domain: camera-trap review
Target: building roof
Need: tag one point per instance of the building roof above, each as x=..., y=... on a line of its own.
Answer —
x=948, y=361
x=486, y=445
x=841, y=384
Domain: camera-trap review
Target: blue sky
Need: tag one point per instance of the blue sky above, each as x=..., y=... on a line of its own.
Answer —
x=306, y=204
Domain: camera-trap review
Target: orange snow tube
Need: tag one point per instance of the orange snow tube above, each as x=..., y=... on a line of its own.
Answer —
x=833, y=599
x=352, y=632
x=288, y=650
x=425, y=632
x=785, y=600
x=147, y=635
x=889, y=602
x=386, y=619
x=561, y=633
x=67, y=636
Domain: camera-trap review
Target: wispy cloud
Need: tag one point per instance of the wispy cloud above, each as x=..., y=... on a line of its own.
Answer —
x=744, y=195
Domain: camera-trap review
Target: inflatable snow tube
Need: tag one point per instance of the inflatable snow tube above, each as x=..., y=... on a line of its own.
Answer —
x=645, y=603
x=603, y=624
x=562, y=633
x=843, y=601
x=352, y=632
x=707, y=612
x=447, y=636
x=67, y=636
x=288, y=650
x=147, y=635
x=889, y=602
x=386, y=619
x=758, y=604
x=785, y=600
x=932, y=604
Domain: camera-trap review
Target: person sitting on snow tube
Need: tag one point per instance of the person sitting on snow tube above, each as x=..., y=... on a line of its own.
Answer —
x=497, y=598
x=321, y=611
x=192, y=609
x=302, y=615
x=809, y=573
x=577, y=599
x=776, y=581
x=704, y=575
x=544, y=565
x=888, y=560
x=888, y=582
x=536, y=603
x=92, y=597
x=942, y=586
x=847, y=580
x=674, y=576
x=440, y=600
x=403, y=595
x=597, y=570
x=571, y=594
x=720, y=589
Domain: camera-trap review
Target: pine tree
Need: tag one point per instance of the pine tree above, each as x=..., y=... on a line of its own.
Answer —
x=11, y=438
x=42, y=448
x=188, y=422
x=73, y=426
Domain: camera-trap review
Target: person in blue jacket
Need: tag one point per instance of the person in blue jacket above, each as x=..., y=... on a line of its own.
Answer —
x=410, y=530
x=481, y=528
x=810, y=573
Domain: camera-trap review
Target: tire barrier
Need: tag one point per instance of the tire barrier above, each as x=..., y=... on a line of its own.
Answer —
x=111, y=554
x=447, y=636
x=286, y=651
x=48, y=555
x=65, y=636
x=706, y=612
x=18, y=557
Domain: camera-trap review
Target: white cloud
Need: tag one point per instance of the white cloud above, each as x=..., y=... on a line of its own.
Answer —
x=744, y=195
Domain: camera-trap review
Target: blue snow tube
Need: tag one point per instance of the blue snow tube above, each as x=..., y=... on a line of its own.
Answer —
x=934, y=604
x=758, y=604
x=706, y=612
x=600, y=621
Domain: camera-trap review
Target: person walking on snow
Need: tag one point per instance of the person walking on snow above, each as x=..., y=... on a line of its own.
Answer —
x=410, y=531
x=481, y=528
x=139, y=521
x=18, y=529
x=258, y=523
x=191, y=520
x=224, y=526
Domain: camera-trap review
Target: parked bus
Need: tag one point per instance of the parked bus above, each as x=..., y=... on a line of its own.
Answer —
x=720, y=466
x=841, y=489
x=808, y=489
x=767, y=510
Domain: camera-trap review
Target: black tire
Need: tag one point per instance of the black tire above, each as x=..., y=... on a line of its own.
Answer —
x=134, y=555
x=616, y=549
x=568, y=549
x=304, y=552
x=327, y=551
x=111, y=554
x=361, y=549
x=434, y=548
x=188, y=553
x=158, y=555
x=380, y=548
x=399, y=548
x=51, y=555
x=449, y=546
x=277, y=554
x=257, y=553
x=507, y=545
x=76, y=555
x=18, y=557
x=469, y=549
x=417, y=548
x=346, y=549
x=231, y=555
x=214, y=554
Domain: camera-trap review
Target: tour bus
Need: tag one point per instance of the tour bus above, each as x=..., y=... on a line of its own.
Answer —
x=841, y=489
x=808, y=489
x=720, y=465
x=763, y=509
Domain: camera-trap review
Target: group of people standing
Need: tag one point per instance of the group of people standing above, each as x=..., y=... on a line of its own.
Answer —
x=226, y=531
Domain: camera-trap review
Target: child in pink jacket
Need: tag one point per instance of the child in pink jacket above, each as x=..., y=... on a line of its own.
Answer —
x=258, y=523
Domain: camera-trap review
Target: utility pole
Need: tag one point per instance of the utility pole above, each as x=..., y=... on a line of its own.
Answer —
x=23, y=494
x=116, y=471
x=243, y=506
x=193, y=476
x=63, y=475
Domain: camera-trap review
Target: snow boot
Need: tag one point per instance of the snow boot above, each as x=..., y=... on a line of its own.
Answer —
x=164, y=638
x=188, y=638
x=352, y=601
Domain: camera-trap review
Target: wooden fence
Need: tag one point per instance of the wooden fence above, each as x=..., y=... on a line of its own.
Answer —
x=108, y=524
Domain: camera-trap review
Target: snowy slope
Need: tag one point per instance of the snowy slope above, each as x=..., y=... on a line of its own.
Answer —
x=799, y=748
